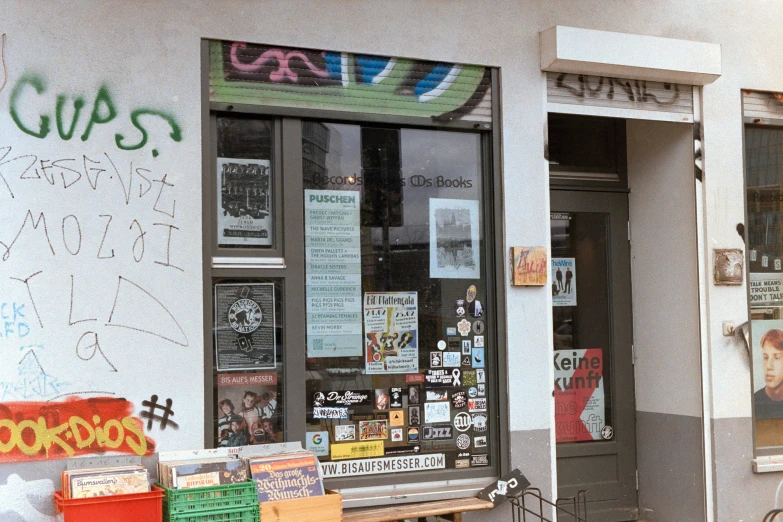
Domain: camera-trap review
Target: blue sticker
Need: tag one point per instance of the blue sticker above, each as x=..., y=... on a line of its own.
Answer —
x=478, y=357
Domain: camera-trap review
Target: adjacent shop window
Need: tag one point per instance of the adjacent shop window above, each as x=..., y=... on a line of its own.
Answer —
x=399, y=367
x=764, y=192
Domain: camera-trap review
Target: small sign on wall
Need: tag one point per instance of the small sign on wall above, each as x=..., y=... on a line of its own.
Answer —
x=729, y=266
x=529, y=266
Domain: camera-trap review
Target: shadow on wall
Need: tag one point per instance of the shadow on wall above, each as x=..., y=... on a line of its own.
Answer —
x=2, y=62
x=22, y=501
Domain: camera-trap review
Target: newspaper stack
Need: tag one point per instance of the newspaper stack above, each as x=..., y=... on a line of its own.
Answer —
x=199, y=473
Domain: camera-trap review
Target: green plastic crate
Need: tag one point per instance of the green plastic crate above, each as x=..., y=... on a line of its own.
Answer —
x=210, y=499
x=249, y=514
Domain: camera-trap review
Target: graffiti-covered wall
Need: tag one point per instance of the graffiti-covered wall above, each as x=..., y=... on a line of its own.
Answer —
x=100, y=261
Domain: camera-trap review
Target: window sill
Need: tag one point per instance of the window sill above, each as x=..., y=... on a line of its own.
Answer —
x=768, y=464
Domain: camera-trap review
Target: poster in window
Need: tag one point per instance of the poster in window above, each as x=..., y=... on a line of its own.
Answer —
x=391, y=329
x=245, y=326
x=333, y=273
x=767, y=352
x=248, y=409
x=454, y=239
x=580, y=409
x=244, y=202
x=766, y=289
x=563, y=281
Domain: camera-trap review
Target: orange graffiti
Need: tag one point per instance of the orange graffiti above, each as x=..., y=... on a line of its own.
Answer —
x=56, y=430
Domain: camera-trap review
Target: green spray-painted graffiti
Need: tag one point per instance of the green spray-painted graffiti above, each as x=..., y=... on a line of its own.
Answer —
x=103, y=112
x=244, y=73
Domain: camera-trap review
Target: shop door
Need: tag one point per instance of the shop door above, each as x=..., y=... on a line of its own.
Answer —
x=592, y=328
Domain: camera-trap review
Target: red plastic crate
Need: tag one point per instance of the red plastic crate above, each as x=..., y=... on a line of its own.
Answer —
x=136, y=507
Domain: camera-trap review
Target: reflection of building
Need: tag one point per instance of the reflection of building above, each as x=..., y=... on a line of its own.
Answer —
x=315, y=147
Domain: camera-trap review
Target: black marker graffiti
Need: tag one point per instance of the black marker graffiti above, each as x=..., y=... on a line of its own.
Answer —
x=168, y=247
x=163, y=185
x=164, y=420
x=71, y=322
x=30, y=294
x=36, y=224
x=96, y=348
x=140, y=237
x=78, y=231
x=105, y=233
x=634, y=90
x=130, y=284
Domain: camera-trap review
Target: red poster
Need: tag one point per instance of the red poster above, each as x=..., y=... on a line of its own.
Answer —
x=580, y=408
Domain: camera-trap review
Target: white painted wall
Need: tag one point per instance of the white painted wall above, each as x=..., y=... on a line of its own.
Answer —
x=147, y=53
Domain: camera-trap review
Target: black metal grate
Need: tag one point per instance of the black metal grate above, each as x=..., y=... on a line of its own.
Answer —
x=531, y=505
x=772, y=516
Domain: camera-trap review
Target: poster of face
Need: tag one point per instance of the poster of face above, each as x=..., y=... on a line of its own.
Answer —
x=244, y=202
x=245, y=326
x=767, y=337
x=580, y=408
x=248, y=407
x=454, y=239
x=391, y=329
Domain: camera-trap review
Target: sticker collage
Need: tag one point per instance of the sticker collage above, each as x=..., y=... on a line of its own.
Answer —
x=437, y=419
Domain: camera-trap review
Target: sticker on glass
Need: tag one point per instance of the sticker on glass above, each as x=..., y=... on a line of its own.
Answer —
x=373, y=430
x=451, y=330
x=451, y=359
x=462, y=421
x=391, y=325
x=478, y=341
x=413, y=435
x=395, y=398
x=480, y=376
x=607, y=433
x=469, y=378
x=396, y=434
x=454, y=239
x=477, y=405
x=318, y=443
x=459, y=308
x=435, y=412
x=463, y=441
x=396, y=418
x=381, y=400
x=480, y=442
x=564, y=281
x=414, y=414
x=436, y=359
x=478, y=327
x=466, y=347
x=481, y=389
x=414, y=395
x=441, y=345
x=330, y=413
x=345, y=432
x=459, y=400
x=437, y=395
x=478, y=357
x=479, y=422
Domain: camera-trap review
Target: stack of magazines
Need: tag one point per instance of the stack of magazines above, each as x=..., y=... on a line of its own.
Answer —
x=101, y=482
x=286, y=476
x=199, y=473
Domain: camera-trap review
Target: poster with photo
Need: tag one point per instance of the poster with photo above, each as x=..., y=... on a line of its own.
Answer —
x=454, y=239
x=245, y=326
x=391, y=332
x=248, y=409
x=563, y=281
x=580, y=407
x=244, y=202
x=767, y=350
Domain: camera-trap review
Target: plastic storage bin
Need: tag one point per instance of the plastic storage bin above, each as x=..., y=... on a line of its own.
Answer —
x=229, y=503
x=135, y=507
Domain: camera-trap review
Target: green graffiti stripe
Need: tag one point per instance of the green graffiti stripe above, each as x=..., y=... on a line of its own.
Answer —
x=78, y=104
x=383, y=97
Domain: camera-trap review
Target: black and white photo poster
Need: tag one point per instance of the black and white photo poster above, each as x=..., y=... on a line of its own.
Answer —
x=244, y=202
x=454, y=239
x=245, y=326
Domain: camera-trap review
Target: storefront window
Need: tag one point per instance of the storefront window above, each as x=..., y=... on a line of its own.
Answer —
x=399, y=363
x=764, y=190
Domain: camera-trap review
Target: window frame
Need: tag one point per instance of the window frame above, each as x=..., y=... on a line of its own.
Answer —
x=286, y=262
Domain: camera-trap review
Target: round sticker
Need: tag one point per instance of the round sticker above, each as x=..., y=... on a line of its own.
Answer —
x=464, y=327
x=607, y=432
x=244, y=316
x=462, y=421
x=463, y=441
x=478, y=327
x=471, y=295
x=441, y=345
x=472, y=391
